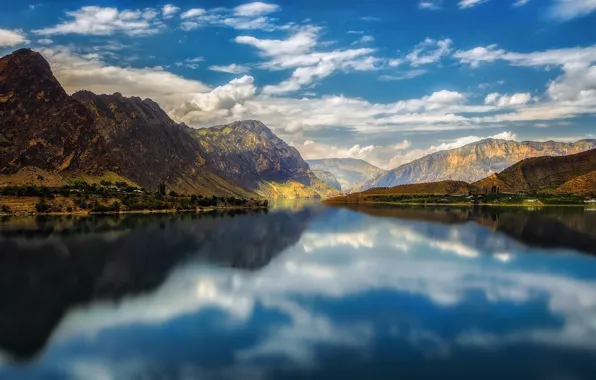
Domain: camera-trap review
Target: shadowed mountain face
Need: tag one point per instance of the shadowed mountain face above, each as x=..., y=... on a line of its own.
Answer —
x=474, y=162
x=146, y=146
x=248, y=153
x=40, y=125
x=350, y=172
x=547, y=173
x=49, y=265
x=552, y=228
x=328, y=178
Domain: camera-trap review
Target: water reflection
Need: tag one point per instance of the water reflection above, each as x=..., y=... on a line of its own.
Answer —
x=372, y=293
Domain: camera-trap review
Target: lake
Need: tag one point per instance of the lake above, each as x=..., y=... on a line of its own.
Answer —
x=304, y=292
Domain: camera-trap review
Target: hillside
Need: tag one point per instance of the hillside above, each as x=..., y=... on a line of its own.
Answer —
x=452, y=188
x=328, y=178
x=349, y=172
x=474, y=162
x=584, y=185
x=249, y=154
x=543, y=173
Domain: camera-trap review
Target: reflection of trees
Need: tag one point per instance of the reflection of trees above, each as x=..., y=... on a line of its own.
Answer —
x=549, y=227
x=49, y=265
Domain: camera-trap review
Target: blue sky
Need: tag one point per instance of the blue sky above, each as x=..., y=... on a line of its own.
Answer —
x=387, y=81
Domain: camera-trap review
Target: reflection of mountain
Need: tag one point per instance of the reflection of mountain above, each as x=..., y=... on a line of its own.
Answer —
x=562, y=228
x=45, y=271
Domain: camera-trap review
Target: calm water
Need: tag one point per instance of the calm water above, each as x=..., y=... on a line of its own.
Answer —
x=317, y=293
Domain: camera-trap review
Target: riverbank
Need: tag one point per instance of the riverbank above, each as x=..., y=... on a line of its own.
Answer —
x=91, y=200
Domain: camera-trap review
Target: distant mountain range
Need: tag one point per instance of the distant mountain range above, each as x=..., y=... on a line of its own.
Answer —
x=473, y=162
x=50, y=138
x=573, y=174
x=349, y=172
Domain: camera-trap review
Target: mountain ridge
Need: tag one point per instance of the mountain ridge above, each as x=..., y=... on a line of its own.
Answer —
x=473, y=161
x=349, y=172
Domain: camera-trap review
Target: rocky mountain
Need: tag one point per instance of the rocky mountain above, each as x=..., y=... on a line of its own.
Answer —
x=545, y=174
x=248, y=153
x=48, y=137
x=328, y=178
x=40, y=125
x=350, y=172
x=474, y=162
x=583, y=185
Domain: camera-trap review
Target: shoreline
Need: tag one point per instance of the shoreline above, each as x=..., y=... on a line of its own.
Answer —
x=144, y=212
x=460, y=204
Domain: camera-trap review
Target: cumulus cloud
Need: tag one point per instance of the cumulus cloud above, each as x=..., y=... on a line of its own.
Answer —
x=463, y=4
x=364, y=40
x=255, y=9
x=429, y=51
x=194, y=12
x=218, y=104
x=100, y=21
x=569, y=9
x=230, y=69
x=9, y=38
x=506, y=101
x=169, y=10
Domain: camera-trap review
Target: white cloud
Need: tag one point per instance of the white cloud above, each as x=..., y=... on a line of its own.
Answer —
x=520, y=3
x=86, y=71
x=370, y=19
x=431, y=5
x=9, y=38
x=221, y=102
x=255, y=9
x=231, y=69
x=191, y=63
x=194, y=12
x=93, y=20
x=569, y=9
x=300, y=42
x=364, y=40
x=169, y=10
x=507, y=101
x=463, y=4
x=404, y=75
x=45, y=41
x=429, y=51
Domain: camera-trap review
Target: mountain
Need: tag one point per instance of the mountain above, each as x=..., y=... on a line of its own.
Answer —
x=328, y=178
x=144, y=145
x=248, y=153
x=545, y=174
x=474, y=162
x=348, y=171
x=50, y=138
x=583, y=185
x=40, y=125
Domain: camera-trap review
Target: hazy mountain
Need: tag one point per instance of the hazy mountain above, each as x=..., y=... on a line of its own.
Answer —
x=546, y=174
x=348, y=171
x=474, y=161
x=248, y=153
x=328, y=178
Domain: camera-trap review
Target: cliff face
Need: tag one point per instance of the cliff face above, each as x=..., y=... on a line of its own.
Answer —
x=474, y=161
x=248, y=153
x=328, y=178
x=40, y=125
x=350, y=172
x=546, y=174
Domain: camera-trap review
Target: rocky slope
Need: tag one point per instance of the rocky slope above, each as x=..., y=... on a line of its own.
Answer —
x=350, y=172
x=474, y=161
x=248, y=153
x=544, y=174
x=328, y=178
x=584, y=185
x=40, y=125
x=146, y=146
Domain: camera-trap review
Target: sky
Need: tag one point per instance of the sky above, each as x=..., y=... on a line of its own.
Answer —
x=387, y=81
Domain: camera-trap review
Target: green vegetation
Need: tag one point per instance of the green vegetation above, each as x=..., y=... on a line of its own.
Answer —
x=115, y=197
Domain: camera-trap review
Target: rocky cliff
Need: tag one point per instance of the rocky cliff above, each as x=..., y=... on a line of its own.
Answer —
x=40, y=125
x=328, y=178
x=350, y=172
x=248, y=153
x=474, y=161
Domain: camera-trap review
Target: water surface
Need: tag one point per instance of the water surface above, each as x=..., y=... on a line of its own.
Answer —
x=301, y=292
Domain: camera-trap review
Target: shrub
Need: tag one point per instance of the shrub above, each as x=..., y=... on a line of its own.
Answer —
x=5, y=209
x=42, y=207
